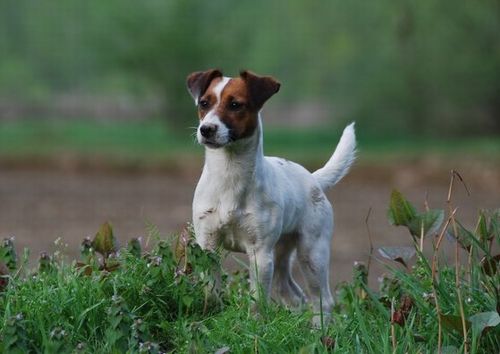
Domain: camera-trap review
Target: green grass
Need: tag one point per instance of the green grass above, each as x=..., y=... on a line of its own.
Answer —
x=151, y=141
x=165, y=301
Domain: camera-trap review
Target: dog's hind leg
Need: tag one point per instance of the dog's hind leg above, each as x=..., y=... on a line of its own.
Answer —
x=313, y=253
x=285, y=287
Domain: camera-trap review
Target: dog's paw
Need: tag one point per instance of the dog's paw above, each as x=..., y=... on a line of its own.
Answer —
x=319, y=321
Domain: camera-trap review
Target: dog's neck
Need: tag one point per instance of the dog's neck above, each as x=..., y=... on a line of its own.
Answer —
x=238, y=163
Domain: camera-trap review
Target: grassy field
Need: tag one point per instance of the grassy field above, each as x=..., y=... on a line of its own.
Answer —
x=151, y=141
x=164, y=300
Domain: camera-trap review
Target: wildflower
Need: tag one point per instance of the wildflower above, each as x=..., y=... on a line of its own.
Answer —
x=80, y=346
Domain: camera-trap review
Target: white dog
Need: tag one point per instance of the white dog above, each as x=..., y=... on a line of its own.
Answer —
x=267, y=207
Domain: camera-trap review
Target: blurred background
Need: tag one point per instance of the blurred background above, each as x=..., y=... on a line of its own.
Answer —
x=96, y=123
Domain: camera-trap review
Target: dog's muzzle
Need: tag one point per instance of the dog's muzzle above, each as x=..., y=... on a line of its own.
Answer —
x=208, y=131
x=212, y=136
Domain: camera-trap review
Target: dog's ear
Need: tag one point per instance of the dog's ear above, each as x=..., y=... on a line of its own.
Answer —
x=199, y=81
x=260, y=88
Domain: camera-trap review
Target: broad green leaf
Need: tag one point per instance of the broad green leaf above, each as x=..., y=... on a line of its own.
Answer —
x=401, y=255
x=452, y=322
x=401, y=212
x=483, y=227
x=463, y=236
x=431, y=221
x=483, y=320
x=134, y=247
x=490, y=265
x=494, y=228
x=308, y=349
x=104, y=241
x=187, y=300
x=8, y=253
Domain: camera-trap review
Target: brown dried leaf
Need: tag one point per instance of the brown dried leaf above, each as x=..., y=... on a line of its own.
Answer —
x=397, y=317
x=328, y=342
x=4, y=276
x=406, y=304
x=401, y=315
x=182, y=242
x=85, y=268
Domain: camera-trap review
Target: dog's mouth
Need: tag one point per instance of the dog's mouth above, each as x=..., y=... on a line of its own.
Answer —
x=212, y=144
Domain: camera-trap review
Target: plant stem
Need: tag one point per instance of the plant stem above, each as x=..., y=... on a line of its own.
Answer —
x=369, y=240
x=457, y=266
x=393, y=328
x=434, y=280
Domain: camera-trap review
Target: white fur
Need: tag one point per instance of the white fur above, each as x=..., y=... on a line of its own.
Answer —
x=270, y=209
x=340, y=162
x=222, y=135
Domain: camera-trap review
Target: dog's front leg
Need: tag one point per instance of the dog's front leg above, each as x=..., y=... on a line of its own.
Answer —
x=206, y=233
x=261, y=264
x=209, y=241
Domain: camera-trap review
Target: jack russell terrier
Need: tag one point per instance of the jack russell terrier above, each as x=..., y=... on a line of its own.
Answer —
x=266, y=207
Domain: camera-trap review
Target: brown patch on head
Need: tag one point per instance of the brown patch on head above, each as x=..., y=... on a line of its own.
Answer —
x=199, y=81
x=317, y=196
x=208, y=100
x=239, y=102
x=260, y=88
x=236, y=111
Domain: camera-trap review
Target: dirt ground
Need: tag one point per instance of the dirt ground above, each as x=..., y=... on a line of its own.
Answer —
x=38, y=205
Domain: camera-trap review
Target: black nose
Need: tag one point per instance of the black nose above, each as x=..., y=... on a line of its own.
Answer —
x=208, y=130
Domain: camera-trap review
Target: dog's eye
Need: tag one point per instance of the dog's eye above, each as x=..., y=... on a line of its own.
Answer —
x=235, y=105
x=203, y=104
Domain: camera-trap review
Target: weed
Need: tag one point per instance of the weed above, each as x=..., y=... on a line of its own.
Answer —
x=170, y=299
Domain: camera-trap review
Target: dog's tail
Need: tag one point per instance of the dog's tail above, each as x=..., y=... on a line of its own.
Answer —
x=340, y=162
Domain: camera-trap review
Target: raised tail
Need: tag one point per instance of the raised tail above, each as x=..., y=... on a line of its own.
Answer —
x=340, y=162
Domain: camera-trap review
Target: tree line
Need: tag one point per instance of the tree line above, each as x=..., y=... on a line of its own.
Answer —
x=427, y=67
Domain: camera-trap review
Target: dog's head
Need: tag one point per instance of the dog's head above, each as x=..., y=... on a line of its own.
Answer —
x=228, y=108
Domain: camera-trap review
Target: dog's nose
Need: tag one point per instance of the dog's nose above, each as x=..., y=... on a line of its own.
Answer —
x=208, y=130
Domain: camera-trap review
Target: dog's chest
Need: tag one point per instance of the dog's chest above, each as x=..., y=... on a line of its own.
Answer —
x=224, y=216
x=233, y=227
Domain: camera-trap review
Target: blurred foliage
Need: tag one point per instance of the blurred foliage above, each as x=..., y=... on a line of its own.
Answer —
x=413, y=67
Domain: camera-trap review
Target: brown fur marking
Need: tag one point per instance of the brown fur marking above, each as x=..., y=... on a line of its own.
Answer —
x=206, y=213
x=240, y=102
x=316, y=196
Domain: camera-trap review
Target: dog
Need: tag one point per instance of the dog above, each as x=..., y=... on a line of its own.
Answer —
x=272, y=209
